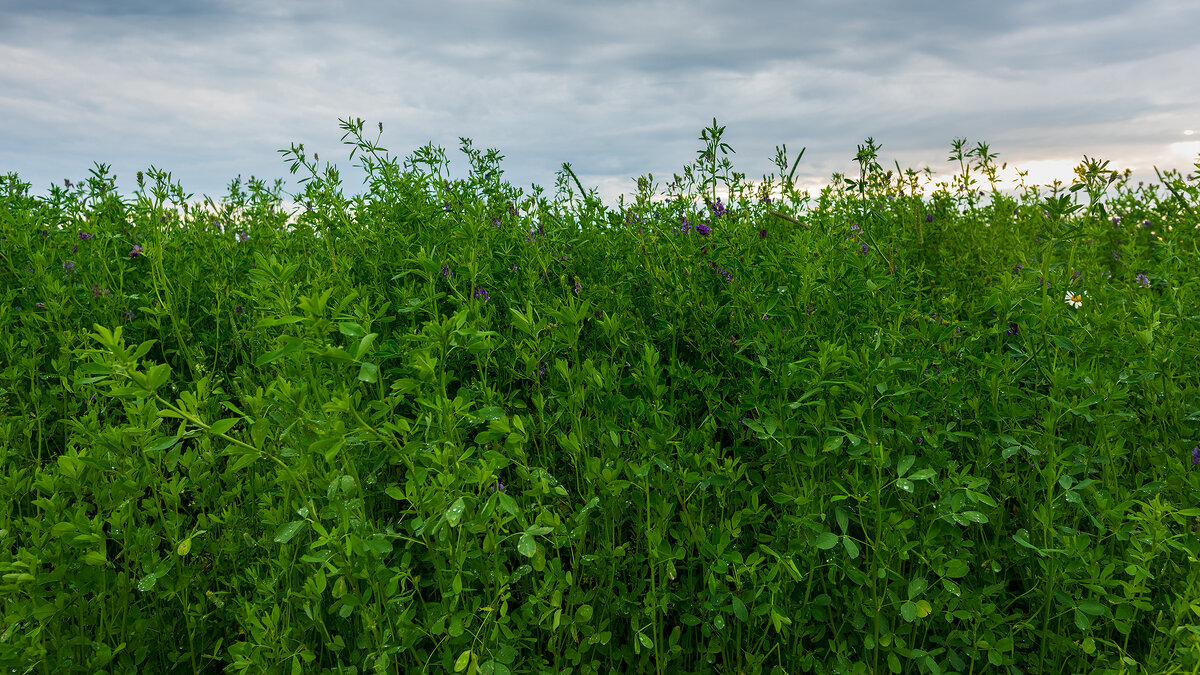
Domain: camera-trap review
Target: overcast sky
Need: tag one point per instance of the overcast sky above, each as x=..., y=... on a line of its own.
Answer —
x=212, y=90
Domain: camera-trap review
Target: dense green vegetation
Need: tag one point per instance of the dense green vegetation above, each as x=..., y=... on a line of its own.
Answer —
x=724, y=426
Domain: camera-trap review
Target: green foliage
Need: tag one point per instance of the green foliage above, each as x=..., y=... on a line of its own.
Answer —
x=447, y=426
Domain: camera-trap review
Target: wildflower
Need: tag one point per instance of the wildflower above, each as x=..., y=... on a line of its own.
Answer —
x=481, y=292
x=929, y=218
x=68, y=267
x=542, y=369
x=718, y=209
x=865, y=248
x=1074, y=299
x=238, y=310
x=128, y=315
x=242, y=236
x=1141, y=279
x=1116, y=221
x=1076, y=274
x=703, y=230
x=446, y=273
x=578, y=286
x=135, y=251
x=1196, y=455
x=1012, y=329
x=762, y=234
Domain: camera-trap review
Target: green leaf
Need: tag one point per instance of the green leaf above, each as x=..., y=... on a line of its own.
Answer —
x=460, y=664
x=455, y=511
x=509, y=504
x=923, y=474
x=826, y=541
x=276, y=321
x=975, y=516
x=491, y=413
x=739, y=609
x=395, y=493
x=583, y=614
x=527, y=545
x=904, y=484
x=162, y=443
x=1063, y=343
x=904, y=465
x=288, y=531
x=289, y=348
x=908, y=611
x=646, y=641
x=222, y=426
x=350, y=329
x=368, y=372
x=916, y=587
x=952, y=588
x=1092, y=607
x=851, y=547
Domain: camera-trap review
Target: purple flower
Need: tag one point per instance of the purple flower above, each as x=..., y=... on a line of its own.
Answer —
x=1116, y=221
x=481, y=292
x=135, y=251
x=865, y=248
x=68, y=267
x=242, y=236
x=929, y=218
x=446, y=273
x=1012, y=329
x=128, y=315
x=1196, y=455
x=1141, y=279
x=703, y=230
x=718, y=208
x=762, y=234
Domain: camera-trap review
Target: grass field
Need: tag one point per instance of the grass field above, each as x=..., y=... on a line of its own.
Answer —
x=726, y=426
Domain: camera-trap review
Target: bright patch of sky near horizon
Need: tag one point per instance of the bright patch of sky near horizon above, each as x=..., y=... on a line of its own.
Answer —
x=210, y=91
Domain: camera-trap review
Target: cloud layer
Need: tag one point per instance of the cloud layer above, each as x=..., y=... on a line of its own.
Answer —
x=618, y=89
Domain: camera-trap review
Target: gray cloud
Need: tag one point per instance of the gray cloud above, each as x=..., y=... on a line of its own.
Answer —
x=619, y=89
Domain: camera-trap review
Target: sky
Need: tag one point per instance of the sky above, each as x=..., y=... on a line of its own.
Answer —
x=213, y=90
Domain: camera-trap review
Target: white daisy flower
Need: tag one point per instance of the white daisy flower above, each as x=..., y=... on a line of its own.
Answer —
x=1075, y=298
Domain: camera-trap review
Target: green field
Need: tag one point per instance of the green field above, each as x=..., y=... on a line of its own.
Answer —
x=727, y=426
